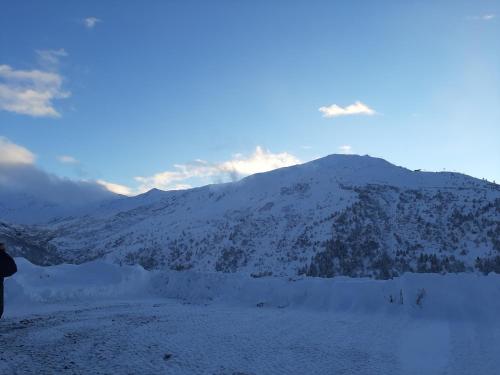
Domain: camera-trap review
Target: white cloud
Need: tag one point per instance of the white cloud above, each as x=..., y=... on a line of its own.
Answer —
x=67, y=159
x=50, y=59
x=128, y=191
x=357, y=108
x=483, y=17
x=260, y=161
x=32, y=92
x=116, y=188
x=20, y=175
x=239, y=166
x=91, y=22
x=13, y=154
x=181, y=187
x=345, y=149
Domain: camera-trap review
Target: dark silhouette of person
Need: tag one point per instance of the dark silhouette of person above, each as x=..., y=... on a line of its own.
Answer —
x=7, y=268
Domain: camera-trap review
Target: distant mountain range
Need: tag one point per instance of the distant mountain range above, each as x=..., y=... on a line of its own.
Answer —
x=339, y=215
x=29, y=208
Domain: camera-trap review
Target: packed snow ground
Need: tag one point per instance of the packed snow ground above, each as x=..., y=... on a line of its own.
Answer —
x=103, y=319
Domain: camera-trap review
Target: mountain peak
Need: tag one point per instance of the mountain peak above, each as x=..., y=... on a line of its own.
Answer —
x=338, y=215
x=352, y=160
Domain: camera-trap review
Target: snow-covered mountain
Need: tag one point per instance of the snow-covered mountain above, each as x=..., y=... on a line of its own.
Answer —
x=22, y=207
x=339, y=215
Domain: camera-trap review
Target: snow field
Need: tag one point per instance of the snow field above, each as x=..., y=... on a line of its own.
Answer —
x=100, y=318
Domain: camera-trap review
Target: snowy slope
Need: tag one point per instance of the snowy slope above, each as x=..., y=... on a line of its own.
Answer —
x=339, y=215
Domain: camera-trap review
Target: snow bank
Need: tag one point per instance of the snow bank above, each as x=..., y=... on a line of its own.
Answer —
x=33, y=285
x=452, y=296
x=455, y=296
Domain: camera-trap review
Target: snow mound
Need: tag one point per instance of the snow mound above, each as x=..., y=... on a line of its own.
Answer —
x=35, y=285
x=452, y=296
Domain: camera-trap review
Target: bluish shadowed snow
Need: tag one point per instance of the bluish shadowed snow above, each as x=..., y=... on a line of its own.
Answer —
x=100, y=318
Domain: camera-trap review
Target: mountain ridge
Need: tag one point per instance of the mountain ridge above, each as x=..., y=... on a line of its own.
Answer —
x=338, y=215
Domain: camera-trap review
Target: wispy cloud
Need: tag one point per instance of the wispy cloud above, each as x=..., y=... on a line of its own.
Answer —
x=13, y=154
x=50, y=58
x=345, y=149
x=181, y=176
x=32, y=92
x=335, y=110
x=67, y=159
x=116, y=188
x=488, y=17
x=91, y=22
x=19, y=173
x=483, y=17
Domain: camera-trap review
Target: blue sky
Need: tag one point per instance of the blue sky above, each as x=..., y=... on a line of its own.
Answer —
x=182, y=93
